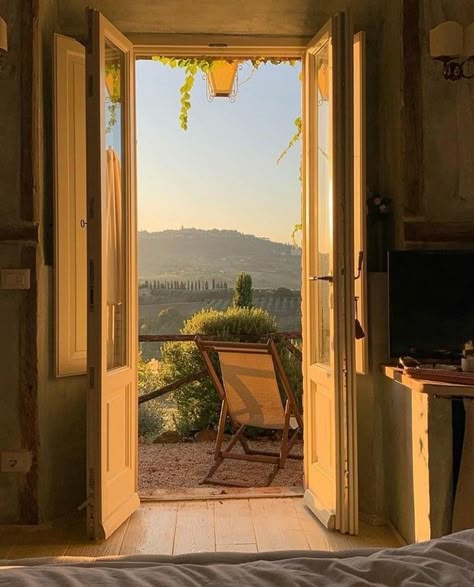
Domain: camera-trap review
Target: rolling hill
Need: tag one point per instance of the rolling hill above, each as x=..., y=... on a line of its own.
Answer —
x=191, y=254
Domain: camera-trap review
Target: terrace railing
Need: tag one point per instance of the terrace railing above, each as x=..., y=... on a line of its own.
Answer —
x=285, y=337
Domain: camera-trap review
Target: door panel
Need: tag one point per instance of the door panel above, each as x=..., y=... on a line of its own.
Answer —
x=112, y=280
x=328, y=298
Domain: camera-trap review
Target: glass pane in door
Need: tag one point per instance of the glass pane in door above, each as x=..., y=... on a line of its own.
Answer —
x=324, y=202
x=115, y=254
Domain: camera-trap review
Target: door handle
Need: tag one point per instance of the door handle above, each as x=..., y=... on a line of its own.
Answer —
x=321, y=278
x=359, y=265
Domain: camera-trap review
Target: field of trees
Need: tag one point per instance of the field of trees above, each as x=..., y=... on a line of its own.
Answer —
x=163, y=310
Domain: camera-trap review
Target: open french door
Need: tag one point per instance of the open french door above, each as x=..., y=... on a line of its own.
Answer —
x=328, y=278
x=112, y=280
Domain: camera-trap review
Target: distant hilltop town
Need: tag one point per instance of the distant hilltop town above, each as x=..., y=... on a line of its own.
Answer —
x=196, y=256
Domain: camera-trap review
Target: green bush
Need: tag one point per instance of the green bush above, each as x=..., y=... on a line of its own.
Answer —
x=198, y=404
x=150, y=415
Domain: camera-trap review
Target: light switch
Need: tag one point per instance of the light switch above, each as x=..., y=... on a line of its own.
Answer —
x=14, y=279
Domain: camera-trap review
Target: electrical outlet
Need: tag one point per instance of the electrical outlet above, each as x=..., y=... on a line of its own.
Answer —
x=15, y=461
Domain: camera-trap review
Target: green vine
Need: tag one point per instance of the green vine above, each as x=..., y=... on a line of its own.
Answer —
x=294, y=139
x=297, y=228
x=192, y=66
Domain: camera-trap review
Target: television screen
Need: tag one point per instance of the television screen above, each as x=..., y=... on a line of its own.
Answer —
x=431, y=302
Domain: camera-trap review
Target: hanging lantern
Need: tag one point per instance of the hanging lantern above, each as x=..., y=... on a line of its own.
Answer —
x=222, y=79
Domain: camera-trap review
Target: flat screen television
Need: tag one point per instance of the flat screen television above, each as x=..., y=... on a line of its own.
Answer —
x=431, y=303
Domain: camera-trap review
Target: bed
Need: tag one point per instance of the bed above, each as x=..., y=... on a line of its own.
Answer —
x=447, y=561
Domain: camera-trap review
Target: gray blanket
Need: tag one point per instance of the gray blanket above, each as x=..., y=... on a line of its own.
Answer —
x=447, y=561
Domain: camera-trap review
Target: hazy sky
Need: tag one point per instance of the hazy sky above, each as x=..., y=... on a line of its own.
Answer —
x=222, y=171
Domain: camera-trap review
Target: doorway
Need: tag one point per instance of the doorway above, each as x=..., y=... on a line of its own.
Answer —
x=219, y=196
x=330, y=429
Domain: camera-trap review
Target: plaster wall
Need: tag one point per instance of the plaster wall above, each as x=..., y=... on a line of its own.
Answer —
x=61, y=402
x=448, y=120
x=242, y=17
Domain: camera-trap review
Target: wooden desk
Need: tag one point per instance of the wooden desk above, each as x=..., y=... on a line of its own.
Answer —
x=463, y=514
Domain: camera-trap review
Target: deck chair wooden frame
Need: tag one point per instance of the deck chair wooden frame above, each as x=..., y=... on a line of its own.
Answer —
x=290, y=413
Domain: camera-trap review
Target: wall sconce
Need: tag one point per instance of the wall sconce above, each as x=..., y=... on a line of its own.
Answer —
x=453, y=44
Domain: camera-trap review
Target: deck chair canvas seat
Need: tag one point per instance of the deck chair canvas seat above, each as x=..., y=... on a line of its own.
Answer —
x=251, y=384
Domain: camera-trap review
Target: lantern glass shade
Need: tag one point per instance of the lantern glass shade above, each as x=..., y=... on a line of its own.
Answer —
x=221, y=78
x=469, y=41
x=447, y=40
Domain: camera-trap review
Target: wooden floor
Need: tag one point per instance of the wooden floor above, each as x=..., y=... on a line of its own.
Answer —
x=243, y=525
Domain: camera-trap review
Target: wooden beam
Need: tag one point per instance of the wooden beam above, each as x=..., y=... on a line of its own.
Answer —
x=28, y=389
x=29, y=183
x=29, y=108
x=412, y=110
x=214, y=45
x=25, y=233
x=439, y=232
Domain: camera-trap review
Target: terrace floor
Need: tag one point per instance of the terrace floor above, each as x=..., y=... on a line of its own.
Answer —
x=179, y=466
x=239, y=525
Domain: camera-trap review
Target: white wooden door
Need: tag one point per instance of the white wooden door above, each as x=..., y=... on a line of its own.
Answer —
x=328, y=278
x=112, y=280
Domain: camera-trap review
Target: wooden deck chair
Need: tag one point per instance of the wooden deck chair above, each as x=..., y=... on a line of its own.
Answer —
x=252, y=377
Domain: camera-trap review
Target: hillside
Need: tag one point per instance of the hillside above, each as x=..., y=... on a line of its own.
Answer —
x=190, y=254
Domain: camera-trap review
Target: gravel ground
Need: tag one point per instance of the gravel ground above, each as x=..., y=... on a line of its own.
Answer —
x=183, y=464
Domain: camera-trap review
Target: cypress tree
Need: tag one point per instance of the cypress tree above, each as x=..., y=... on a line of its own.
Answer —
x=242, y=297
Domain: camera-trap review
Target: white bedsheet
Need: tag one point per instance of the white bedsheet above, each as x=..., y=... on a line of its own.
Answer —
x=447, y=561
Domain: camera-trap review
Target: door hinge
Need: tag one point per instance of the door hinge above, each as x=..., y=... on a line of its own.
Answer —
x=91, y=377
x=344, y=368
x=346, y=474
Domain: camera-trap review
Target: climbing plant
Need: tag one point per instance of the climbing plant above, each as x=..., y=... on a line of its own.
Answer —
x=195, y=65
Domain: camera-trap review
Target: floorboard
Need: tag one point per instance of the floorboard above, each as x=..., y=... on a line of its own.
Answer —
x=83, y=547
x=39, y=541
x=277, y=527
x=240, y=525
x=195, y=528
x=233, y=523
x=315, y=532
x=151, y=530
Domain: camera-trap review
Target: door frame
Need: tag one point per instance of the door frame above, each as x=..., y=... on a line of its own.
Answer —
x=227, y=46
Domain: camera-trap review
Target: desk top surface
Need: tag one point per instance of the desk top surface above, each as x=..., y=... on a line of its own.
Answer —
x=431, y=387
